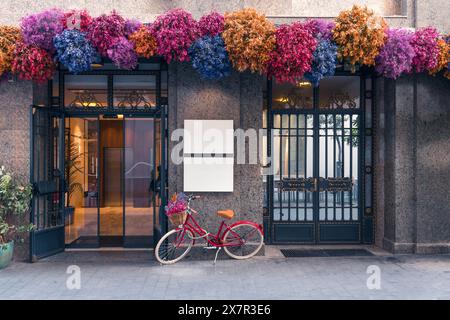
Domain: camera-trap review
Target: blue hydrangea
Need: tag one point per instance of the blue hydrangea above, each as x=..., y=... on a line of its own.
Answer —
x=324, y=61
x=74, y=51
x=210, y=58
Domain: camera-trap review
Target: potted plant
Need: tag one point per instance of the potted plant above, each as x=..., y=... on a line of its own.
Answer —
x=73, y=167
x=15, y=201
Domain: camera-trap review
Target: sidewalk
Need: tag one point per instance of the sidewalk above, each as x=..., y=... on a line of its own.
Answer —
x=136, y=275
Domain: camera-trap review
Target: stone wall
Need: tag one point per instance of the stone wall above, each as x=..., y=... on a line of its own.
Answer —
x=237, y=98
x=413, y=165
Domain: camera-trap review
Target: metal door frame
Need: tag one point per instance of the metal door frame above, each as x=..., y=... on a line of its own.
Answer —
x=56, y=106
x=365, y=159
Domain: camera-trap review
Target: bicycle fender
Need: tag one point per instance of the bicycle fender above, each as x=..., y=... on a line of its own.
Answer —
x=259, y=226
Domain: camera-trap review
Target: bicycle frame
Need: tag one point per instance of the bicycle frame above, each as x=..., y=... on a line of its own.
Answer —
x=214, y=240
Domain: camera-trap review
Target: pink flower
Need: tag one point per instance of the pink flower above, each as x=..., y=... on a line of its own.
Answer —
x=104, y=30
x=211, y=24
x=426, y=49
x=175, y=31
x=293, y=54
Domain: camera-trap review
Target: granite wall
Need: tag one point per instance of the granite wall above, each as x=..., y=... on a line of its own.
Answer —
x=413, y=165
x=237, y=98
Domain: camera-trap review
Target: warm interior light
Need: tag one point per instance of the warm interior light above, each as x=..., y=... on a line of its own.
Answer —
x=120, y=116
x=282, y=99
x=96, y=65
x=304, y=84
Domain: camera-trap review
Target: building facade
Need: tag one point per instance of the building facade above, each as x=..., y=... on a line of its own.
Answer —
x=383, y=181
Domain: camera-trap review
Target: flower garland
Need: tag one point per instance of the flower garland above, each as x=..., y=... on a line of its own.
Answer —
x=104, y=30
x=211, y=24
x=122, y=54
x=244, y=39
x=360, y=35
x=74, y=51
x=426, y=49
x=209, y=57
x=249, y=39
x=77, y=19
x=396, y=56
x=175, y=31
x=33, y=63
x=9, y=36
x=144, y=42
x=40, y=29
x=293, y=54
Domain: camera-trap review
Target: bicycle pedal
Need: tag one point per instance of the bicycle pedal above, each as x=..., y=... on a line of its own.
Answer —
x=209, y=248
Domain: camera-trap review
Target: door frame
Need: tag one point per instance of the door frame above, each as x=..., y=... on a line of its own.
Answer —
x=365, y=168
x=55, y=105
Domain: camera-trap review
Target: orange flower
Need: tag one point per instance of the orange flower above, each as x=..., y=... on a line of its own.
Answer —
x=443, y=58
x=249, y=38
x=360, y=35
x=9, y=36
x=144, y=42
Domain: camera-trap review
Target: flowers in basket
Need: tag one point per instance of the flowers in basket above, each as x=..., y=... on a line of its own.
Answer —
x=176, y=209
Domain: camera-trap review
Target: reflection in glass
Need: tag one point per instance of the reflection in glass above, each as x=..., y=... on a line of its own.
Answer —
x=290, y=96
x=338, y=158
x=140, y=179
x=82, y=181
x=293, y=158
x=83, y=91
x=339, y=92
x=136, y=91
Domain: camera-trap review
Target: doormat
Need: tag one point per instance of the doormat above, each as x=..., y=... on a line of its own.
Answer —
x=303, y=253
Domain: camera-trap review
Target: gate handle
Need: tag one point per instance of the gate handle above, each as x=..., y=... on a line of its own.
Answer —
x=315, y=184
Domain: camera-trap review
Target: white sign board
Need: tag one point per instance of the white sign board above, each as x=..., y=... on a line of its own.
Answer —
x=203, y=172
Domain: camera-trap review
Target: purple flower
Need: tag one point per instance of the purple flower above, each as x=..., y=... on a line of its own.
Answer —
x=131, y=26
x=396, y=56
x=39, y=29
x=122, y=53
x=321, y=29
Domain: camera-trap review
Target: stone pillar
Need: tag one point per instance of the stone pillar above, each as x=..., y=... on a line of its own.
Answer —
x=399, y=170
x=433, y=164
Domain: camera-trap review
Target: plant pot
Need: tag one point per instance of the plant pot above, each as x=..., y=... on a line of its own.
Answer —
x=6, y=254
x=69, y=213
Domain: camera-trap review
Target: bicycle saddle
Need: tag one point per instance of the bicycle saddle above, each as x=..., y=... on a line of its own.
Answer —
x=226, y=214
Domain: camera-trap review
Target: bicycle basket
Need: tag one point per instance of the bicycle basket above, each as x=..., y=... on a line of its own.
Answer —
x=178, y=219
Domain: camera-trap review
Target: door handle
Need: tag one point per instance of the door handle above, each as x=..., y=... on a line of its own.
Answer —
x=315, y=183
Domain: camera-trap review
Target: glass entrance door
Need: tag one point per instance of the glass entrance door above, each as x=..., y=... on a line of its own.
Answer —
x=113, y=178
x=318, y=151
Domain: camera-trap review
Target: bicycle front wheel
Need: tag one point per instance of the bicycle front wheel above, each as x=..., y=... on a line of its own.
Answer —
x=174, y=246
x=243, y=241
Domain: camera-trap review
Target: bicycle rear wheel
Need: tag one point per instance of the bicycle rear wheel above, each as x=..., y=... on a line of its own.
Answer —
x=174, y=246
x=243, y=241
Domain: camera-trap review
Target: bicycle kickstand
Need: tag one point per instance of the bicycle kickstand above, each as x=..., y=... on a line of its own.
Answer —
x=217, y=253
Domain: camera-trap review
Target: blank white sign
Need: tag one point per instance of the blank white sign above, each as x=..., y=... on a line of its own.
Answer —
x=208, y=174
x=208, y=137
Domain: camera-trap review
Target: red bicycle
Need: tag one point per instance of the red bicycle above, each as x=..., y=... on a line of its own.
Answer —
x=240, y=240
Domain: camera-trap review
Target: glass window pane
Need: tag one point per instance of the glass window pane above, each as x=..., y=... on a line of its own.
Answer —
x=340, y=92
x=85, y=91
x=290, y=96
x=137, y=91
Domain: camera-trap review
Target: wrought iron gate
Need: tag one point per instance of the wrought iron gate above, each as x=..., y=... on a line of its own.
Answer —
x=320, y=190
